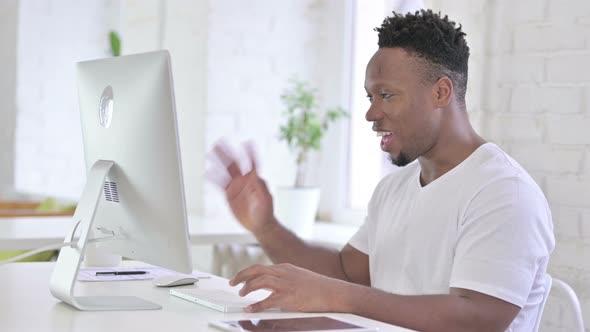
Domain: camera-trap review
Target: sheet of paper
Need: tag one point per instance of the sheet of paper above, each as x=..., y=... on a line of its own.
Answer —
x=89, y=274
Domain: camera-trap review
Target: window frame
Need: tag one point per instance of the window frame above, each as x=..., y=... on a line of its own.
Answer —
x=336, y=206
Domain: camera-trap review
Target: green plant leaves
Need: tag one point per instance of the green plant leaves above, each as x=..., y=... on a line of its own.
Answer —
x=115, y=42
x=305, y=122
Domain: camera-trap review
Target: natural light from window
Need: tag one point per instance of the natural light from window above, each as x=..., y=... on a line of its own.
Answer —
x=367, y=163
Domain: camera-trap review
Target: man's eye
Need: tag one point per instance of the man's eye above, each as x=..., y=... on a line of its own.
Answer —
x=386, y=95
x=370, y=98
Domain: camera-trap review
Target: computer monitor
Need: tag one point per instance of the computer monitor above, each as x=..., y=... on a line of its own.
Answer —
x=134, y=195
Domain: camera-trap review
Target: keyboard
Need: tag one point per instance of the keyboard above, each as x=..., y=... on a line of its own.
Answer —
x=217, y=299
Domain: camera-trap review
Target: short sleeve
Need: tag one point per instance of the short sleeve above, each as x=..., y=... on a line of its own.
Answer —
x=505, y=237
x=360, y=240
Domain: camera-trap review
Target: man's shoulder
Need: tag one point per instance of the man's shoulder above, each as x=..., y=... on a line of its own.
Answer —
x=499, y=180
x=495, y=165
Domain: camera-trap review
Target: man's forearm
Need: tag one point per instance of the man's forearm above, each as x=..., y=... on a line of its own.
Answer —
x=282, y=246
x=426, y=313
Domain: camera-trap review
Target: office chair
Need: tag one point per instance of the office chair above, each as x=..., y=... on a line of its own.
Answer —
x=572, y=299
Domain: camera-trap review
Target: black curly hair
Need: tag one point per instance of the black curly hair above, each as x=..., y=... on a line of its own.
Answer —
x=433, y=39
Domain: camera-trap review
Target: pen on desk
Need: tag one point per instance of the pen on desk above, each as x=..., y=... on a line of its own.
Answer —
x=120, y=273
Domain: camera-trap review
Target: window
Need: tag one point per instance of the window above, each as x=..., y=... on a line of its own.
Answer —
x=366, y=163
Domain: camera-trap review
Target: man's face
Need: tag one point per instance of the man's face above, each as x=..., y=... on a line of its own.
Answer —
x=402, y=108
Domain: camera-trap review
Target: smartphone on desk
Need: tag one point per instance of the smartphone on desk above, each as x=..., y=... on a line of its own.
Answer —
x=299, y=324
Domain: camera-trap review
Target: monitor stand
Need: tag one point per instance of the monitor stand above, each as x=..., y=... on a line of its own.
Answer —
x=68, y=262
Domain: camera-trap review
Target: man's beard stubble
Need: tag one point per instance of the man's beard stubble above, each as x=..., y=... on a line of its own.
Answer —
x=401, y=160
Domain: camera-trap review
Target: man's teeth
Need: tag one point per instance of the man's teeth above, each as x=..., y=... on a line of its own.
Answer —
x=383, y=133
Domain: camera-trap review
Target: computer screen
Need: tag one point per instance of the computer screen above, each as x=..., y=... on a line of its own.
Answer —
x=134, y=194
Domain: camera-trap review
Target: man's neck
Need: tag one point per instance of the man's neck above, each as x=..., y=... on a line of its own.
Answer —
x=457, y=141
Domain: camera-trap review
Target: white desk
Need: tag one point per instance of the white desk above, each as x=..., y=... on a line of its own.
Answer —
x=31, y=233
x=27, y=305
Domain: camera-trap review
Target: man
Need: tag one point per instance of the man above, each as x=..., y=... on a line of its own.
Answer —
x=457, y=241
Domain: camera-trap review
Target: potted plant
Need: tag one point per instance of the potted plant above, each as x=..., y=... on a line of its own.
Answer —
x=303, y=130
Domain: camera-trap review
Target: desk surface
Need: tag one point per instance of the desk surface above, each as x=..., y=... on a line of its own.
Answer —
x=27, y=305
x=36, y=232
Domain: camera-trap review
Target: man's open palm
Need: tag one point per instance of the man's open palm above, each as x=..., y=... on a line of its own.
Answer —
x=247, y=194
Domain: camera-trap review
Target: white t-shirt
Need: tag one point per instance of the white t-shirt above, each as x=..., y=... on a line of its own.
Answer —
x=485, y=226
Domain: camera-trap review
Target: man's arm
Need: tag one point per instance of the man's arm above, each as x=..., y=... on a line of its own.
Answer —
x=251, y=203
x=282, y=246
x=294, y=288
x=461, y=310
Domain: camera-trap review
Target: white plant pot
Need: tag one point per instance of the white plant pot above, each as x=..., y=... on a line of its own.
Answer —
x=296, y=208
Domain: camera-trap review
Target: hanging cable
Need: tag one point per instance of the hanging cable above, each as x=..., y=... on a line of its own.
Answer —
x=52, y=247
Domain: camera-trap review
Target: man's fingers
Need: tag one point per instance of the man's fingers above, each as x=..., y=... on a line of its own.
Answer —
x=217, y=176
x=273, y=301
x=224, y=152
x=251, y=152
x=246, y=274
x=249, y=273
x=262, y=282
x=234, y=170
x=227, y=158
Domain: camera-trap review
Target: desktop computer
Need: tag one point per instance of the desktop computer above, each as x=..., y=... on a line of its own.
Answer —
x=133, y=200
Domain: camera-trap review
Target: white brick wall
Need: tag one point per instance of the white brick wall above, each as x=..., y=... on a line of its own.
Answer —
x=568, y=222
x=569, y=191
x=254, y=48
x=516, y=12
x=522, y=128
x=558, y=159
x=8, y=33
x=527, y=37
x=566, y=11
x=546, y=99
x=570, y=130
x=535, y=104
x=584, y=224
x=231, y=61
x=514, y=69
x=52, y=36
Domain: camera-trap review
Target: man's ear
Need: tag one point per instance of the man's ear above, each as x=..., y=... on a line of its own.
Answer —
x=442, y=92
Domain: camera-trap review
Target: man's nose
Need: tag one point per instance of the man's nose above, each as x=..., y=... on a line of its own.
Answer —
x=373, y=113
